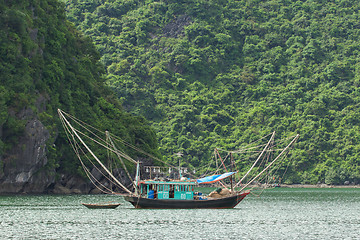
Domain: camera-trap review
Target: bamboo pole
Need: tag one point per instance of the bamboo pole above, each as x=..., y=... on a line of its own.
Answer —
x=272, y=136
x=296, y=137
x=101, y=164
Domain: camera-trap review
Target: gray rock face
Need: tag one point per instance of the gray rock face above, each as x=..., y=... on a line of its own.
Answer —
x=23, y=165
x=24, y=168
x=175, y=28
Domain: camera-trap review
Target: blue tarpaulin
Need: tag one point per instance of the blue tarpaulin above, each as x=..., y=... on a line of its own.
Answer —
x=214, y=178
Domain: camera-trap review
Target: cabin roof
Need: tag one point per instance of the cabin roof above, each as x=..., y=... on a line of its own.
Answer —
x=168, y=182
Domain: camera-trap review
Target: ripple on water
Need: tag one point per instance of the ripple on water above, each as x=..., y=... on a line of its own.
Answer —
x=277, y=214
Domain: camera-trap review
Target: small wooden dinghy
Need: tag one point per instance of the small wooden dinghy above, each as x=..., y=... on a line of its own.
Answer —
x=101, y=205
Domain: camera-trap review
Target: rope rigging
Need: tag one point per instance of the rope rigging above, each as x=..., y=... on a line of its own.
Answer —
x=74, y=134
x=260, y=169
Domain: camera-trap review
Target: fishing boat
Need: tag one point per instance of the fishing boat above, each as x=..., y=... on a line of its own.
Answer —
x=101, y=205
x=164, y=193
x=181, y=194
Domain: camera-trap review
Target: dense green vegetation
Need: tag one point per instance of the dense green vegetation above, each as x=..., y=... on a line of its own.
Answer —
x=223, y=73
x=46, y=64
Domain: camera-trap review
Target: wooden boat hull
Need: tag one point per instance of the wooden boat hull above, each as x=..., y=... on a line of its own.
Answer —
x=227, y=202
x=101, y=206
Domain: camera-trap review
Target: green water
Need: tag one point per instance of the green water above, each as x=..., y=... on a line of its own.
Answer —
x=277, y=214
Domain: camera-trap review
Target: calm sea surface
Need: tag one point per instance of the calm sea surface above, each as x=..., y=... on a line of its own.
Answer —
x=280, y=213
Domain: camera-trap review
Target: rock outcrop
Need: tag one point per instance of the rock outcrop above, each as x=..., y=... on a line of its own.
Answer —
x=24, y=165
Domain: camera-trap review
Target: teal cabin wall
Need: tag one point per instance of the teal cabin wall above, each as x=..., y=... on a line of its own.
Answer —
x=183, y=192
x=162, y=191
x=184, y=195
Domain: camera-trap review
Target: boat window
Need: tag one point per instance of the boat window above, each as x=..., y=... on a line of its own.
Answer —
x=143, y=188
x=171, y=192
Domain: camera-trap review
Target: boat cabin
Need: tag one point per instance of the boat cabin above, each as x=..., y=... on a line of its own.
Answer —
x=179, y=190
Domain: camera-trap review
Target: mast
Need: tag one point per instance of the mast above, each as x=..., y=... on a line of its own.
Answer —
x=109, y=162
x=137, y=178
x=216, y=161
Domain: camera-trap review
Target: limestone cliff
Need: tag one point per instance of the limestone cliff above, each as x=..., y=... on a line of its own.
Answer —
x=46, y=64
x=23, y=165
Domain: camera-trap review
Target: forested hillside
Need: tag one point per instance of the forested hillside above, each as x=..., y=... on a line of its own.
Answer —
x=46, y=64
x=220, y=73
